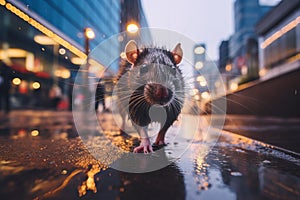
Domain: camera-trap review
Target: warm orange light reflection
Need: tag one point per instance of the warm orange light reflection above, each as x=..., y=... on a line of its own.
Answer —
x=199, y=50
x=201, y=80
x=89, y=184
x=199, y=65
x=16, y=81
x=205, y=95
x=203, y=83
x=12, y=53
x=228, y=67
x=234, y=86
x=262, y=72
x=44, y=40
x=294, y=58
x=193, y=92
x=132, y=28
x=35, y=133
x=89, y=33
x=45, y=30
x=281, y=32
x=62, y=51
x=78, y=61
x=197, y=97
x=65, y=74
x=2, y=2
x=123, y=55
x=36, y=85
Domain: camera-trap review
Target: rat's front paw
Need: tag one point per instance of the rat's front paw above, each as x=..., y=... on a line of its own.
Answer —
x=145, y=146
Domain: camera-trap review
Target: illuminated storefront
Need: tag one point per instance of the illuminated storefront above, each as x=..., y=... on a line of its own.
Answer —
x=42, y=42
x=279, y=40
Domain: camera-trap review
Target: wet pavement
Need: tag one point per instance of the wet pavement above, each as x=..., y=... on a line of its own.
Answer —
x=279, y=131
x=42, y=157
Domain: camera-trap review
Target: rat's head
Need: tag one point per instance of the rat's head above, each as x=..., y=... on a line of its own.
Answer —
x=157, y=71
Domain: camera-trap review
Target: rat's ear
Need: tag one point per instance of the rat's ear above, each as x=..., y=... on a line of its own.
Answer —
x=177, y=53
x=131, y=51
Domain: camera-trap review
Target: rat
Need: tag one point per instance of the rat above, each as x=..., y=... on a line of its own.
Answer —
x=154, y=83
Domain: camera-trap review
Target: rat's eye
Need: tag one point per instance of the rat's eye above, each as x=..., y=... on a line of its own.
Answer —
x=173, y=71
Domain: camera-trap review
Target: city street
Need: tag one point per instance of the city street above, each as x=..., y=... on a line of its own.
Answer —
x=42, y=157
x=124, y=100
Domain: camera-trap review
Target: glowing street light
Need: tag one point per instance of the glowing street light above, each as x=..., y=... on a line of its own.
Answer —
x=228, y=67
x=199, y=50
x=16, y=81
x=132, y=28
x=199, y=65
x=36, y=85
x=89, y=33
x=205, y=95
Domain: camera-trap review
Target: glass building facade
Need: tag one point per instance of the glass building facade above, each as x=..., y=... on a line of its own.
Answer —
x=280, y=40
x=71, y=17
x=43, y=45
x=246, y=15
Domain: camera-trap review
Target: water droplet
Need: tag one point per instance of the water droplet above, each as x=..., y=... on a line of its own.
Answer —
x=4, y=162
x=236, y=174
x=266, y=162
x=126, y=182
x=240, y=150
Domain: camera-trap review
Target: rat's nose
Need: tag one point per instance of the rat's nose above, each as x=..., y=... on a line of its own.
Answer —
x=157, y=93
x=161, y=92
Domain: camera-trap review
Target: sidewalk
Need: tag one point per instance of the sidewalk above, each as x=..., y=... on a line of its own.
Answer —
x=278, y=131
x=41, y=158
x=281, y=132
x=47, y=121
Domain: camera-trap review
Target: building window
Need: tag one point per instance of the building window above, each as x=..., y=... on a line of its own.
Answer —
x=281, y=49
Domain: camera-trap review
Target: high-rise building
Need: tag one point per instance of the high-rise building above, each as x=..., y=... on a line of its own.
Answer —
x=279, y=33
x=45, y=42
x=71, y=17
x=199, y=64
x=246, y=15
x=223, y=55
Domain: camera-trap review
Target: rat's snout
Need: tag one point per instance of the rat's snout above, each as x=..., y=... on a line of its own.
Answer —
x=158, y=93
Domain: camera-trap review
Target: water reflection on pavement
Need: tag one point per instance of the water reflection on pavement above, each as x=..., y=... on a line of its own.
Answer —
x=42, y=157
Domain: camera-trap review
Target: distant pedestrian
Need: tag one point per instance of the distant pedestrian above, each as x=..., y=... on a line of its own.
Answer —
x=100, y=96
x=55, y=96
x=70, y=93
x=5, y=84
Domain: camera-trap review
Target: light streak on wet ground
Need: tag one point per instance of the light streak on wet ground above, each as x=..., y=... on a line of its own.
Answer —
x=43, y=158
